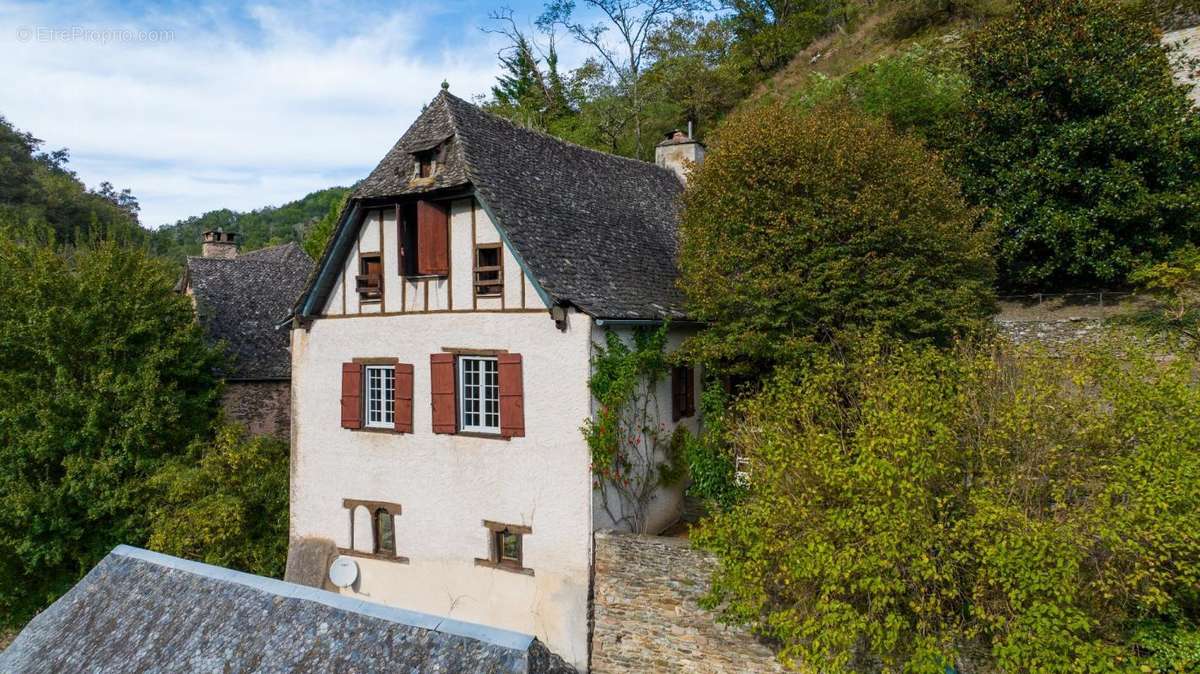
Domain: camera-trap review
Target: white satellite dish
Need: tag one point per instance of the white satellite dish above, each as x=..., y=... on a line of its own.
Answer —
x=343, y=572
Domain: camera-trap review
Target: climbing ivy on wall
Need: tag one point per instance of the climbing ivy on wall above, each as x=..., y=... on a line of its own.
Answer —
x=633, y=454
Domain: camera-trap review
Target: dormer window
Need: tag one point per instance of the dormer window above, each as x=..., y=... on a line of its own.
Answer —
x=426, y=163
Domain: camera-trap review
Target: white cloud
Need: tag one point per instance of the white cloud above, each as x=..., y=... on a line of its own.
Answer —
x=232, y=111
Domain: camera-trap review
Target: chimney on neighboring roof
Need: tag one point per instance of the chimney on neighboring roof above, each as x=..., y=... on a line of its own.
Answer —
x=219, y=243
x=678, y=151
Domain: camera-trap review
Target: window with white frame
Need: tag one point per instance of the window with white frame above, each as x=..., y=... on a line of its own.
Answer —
x=380, y=396
x=479, y=394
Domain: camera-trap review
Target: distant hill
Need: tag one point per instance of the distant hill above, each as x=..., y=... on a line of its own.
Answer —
x=262, y=227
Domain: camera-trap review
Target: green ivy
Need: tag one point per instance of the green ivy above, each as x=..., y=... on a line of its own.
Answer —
x=710, y=457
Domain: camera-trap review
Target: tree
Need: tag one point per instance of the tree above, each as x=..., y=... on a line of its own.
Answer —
x=916, y=509
x=1079, y=141
x=317, y=236
x=104, y=374
x=634, y=22
x=530, y=90
x=1173, y=287
x=802, y=225
x=769, y=32
x=42, y=200
x=225, y=502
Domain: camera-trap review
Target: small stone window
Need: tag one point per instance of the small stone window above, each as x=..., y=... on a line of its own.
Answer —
x=385, y=533
x=376, y=520
x=506, y=547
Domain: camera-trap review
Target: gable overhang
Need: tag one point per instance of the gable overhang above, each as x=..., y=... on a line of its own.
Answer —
x=346, y=233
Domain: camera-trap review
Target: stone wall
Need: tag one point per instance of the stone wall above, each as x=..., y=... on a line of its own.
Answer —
x=265, y=407
x=647, y=618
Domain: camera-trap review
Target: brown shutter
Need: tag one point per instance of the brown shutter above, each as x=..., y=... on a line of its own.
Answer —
x=689, y=392
x=441, y=379
x=352, y=387
x=512, y=395
x=401, y=252
x=677, y=392
x=404, y=398
x=433, y=239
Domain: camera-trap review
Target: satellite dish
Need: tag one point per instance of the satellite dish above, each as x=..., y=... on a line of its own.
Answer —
x=343, y=572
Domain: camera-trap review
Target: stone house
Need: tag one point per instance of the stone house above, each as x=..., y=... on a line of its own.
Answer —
x=440, y=364
x=240, y=301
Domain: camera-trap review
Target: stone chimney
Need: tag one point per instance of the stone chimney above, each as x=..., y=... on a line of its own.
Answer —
x=678, y=151
x=219, y=243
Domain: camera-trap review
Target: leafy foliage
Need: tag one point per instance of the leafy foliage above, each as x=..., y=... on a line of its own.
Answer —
x=1174, y=287
x=1079, y=141
x=710, y=457
x=801, y=225
x=317, y=236
x=268, y=226
x=103, y=376
x=922, y=509
x=225, y=502
x=43, y=200
x=632, y=455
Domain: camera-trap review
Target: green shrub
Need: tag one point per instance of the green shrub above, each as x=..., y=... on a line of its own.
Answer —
x=916, y=16
x=802, y=224
x=981, y=509
x=1079, y=140
x=710, y=457
x=104, y=374
x=225, y=502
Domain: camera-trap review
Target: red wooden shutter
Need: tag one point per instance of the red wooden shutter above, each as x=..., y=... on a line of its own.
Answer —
x=441, y=378
x=512, y=395
x=404, y=398
x=433, y=239
x=401, y=252
x=352, y=384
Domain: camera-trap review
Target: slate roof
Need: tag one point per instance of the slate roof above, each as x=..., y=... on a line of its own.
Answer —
x=595, y=230
x=140, y=611
x=241, y=300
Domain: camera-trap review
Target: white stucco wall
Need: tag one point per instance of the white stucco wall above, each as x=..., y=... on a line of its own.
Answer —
x=665, y=508
x=448, y=484
x=469, y=225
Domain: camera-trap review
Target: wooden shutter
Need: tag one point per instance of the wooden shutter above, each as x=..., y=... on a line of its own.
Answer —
x=441, y=378
x=404, y=398
x=352, y=390
x=683, y=392
x=689, y=392
x=401, y=247
x=512, y=395
x=433, y=239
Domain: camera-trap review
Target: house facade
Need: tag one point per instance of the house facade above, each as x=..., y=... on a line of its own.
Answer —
x=240, y=301
x=440, y=365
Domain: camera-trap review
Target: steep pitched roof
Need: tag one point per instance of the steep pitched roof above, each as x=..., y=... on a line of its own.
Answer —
x=241, y=300
x=594, y=230
x=140, y=611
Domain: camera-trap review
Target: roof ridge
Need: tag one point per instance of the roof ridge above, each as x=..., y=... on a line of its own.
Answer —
x=539, y=132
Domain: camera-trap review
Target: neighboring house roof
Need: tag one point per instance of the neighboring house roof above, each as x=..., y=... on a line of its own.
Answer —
x=594, y=230
x=241, y=300
x=140, y=611
x=1188, y=69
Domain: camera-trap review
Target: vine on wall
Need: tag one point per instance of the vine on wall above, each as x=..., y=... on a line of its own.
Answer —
x=633, y=454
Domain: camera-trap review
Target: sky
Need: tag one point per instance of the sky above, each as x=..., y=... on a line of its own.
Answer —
x=196, y=106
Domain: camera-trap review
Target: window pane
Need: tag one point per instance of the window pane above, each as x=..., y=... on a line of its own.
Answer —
x=381, y=395
x=510, y=547
x=480, y=394
x=386, y=541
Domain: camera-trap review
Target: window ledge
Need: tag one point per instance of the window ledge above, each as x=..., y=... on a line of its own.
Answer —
x=424, y=277
x=372, y=555
x=500, y=566
x=376, y=429
x=484, y=436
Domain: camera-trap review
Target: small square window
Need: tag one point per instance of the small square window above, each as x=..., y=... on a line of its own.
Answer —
x=370, y=278
x=380, y=396
x=479, y=394
x=489, y=270
x=508, y=548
